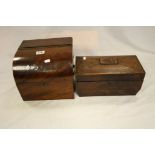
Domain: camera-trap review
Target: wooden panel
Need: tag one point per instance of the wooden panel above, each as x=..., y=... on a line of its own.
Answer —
x=56, y=53
x=46, y=42
x=57, y=88
x=100, y=88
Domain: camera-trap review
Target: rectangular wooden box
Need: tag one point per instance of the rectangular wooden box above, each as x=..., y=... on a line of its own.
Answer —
x=43, y=69
x=108, y=75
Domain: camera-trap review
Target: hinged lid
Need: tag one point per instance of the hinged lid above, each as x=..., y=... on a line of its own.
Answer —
x=96, y=68
x=46, y=42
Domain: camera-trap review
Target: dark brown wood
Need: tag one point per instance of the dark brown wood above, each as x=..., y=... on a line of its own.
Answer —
x=43, y=69
x=108, y=75
x=46, y=42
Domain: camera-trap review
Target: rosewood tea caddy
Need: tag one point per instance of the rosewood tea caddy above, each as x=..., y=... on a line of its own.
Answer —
x=43, y=69
x=108, y=75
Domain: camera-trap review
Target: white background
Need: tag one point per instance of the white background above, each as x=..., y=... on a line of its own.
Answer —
x=77, y=13
x=82, y=112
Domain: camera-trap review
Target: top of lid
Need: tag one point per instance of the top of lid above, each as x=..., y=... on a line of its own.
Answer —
x=97, y=68
x=46, y=42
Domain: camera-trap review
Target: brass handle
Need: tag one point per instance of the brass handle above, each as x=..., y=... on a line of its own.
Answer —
x=108, y=61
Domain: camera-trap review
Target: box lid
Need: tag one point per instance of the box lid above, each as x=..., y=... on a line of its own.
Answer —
x=42, y=59
x=105, y=68
x=46, y=42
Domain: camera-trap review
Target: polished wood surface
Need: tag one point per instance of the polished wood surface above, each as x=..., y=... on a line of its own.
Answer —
x=43, y=69
x=108, y=75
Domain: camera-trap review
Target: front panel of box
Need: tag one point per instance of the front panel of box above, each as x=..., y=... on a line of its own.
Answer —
x=55, y=88
x=108, y=88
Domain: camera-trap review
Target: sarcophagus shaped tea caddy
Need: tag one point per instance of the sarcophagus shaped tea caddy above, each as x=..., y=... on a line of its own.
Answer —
x=108, y=75
x=43, y=69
